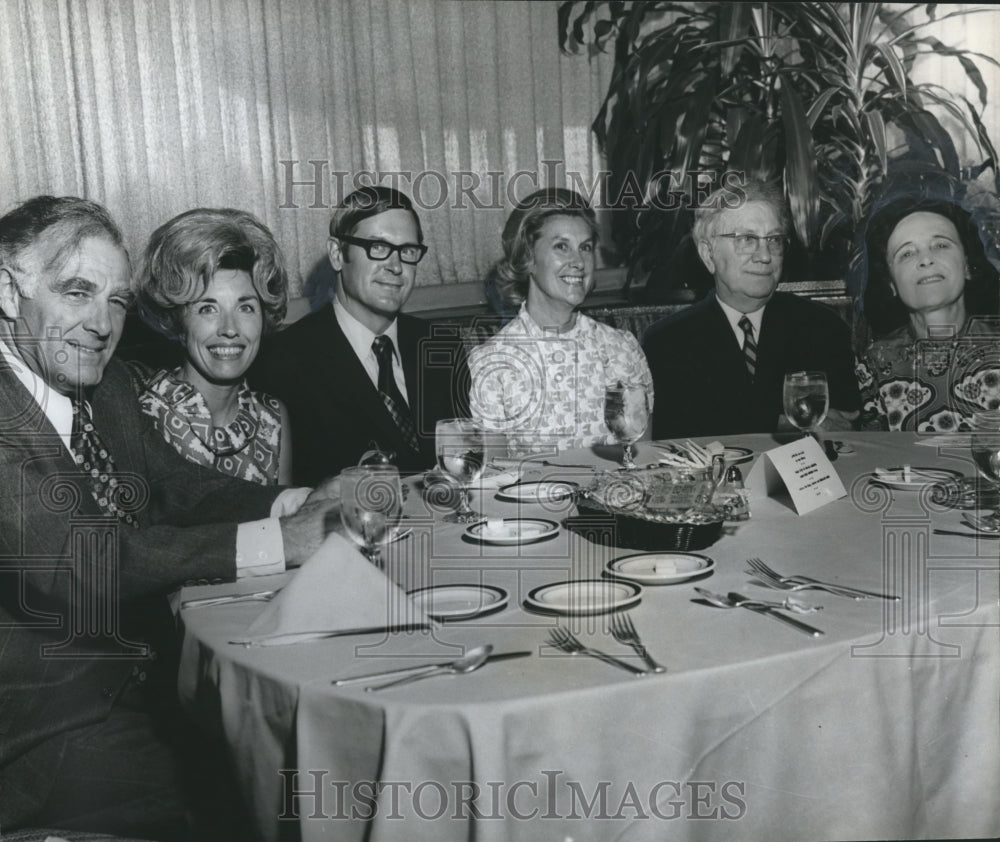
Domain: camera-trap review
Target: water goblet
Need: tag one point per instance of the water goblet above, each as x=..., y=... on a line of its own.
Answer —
x=371, y=505
x=986, y=450
x=806, y=399
x=626, y=412
x=461, y=453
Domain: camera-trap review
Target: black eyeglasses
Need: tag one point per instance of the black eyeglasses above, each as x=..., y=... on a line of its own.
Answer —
x=411, y=253
x=748, y=243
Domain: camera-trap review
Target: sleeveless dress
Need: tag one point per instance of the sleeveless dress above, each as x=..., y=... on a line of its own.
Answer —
x=246, y=448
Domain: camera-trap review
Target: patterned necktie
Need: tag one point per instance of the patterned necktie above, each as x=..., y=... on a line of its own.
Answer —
x=749, y=346
x=390, y=394
x=93, y=458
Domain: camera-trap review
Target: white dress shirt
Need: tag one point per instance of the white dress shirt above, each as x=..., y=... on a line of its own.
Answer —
x=734, y=316
x=360, y=339
x=259, y=548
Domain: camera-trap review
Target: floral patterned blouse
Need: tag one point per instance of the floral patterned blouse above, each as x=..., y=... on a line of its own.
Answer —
x=247, y=447
x=928, y=385
x=545, y=389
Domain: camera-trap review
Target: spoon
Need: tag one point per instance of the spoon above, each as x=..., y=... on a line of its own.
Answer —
x=981, y=524
x=470, y=661
x=735, y=600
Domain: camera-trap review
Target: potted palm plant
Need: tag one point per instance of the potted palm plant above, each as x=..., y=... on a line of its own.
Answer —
x=817, y=94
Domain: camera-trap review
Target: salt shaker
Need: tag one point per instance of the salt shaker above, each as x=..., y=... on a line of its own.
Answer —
x=738, y=495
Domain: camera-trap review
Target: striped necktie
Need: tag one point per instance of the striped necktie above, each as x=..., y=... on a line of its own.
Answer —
x=749, y=346
x=390, y=394
x=94, y=460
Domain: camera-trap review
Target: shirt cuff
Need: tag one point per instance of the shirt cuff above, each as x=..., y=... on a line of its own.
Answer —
x=259, y=549
x=289, y=501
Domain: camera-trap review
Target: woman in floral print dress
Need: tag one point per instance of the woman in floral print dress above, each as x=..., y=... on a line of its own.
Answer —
x=930, y=277
x=541, y=379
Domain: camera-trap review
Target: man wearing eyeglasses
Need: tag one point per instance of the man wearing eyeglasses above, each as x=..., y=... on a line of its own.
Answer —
x=720, y=364
x=360, y=374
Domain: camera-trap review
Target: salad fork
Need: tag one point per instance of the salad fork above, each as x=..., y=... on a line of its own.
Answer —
x=624, y=631
x=567, y=642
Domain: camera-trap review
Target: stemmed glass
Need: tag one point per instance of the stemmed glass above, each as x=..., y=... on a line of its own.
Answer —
x=626, y=412
x=986, y=450
x=806, y=398
x=461, y=453
x=371, y=505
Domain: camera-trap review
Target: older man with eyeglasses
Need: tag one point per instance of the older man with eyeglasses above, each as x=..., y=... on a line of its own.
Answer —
x=718, y=366
x=360, y=374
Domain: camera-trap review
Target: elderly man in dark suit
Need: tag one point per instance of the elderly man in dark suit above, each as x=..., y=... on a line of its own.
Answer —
x=99, y=519
x=718, y=366
x=359, y=374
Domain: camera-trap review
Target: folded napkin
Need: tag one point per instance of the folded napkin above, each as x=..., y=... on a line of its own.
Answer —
x=337, y=591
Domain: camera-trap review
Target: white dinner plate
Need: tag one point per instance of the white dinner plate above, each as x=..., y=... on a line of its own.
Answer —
x=512, y=530
x=584, y=596
x=660, y=568
x=737, y=455
x=918, y=477
x=545, y=491
x=458, y=602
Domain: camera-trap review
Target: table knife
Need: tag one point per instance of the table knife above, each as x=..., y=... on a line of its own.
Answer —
x=812, y=631
x=201, y=602
x=496, y=656
x=986, y=535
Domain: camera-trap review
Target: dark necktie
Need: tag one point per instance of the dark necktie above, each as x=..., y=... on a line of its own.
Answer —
x=749, y=346
x=93, y=458
x=390, y=394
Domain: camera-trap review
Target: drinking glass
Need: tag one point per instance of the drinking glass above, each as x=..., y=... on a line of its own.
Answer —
x=806, y=398
x=461, y=453
x=371, y=504
x=626, y=412
x=986, y=450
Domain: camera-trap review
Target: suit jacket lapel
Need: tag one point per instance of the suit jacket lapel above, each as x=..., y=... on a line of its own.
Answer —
x=409, y=352
x=727, y=351
x=24, y=427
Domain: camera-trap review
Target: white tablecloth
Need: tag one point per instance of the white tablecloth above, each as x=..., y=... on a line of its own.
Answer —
x=887, y=727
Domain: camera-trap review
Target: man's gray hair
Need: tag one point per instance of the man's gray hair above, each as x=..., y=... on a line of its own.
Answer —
x=733, y=196
x=66, y=217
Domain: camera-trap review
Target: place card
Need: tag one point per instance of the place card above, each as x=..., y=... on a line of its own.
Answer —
x=803, y=470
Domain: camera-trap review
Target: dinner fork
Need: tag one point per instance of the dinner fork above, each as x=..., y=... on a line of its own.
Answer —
x=805, y=582
x=785, y=583
x=624, y=631
x=568, y=642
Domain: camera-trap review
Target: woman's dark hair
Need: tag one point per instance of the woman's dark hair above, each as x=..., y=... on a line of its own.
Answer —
x=523, y=228
x=185, y=253
x=883, y=310
x=369, y=201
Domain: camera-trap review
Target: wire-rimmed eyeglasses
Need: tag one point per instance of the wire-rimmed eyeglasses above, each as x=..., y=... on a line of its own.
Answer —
x=411, y=253
x=749, y=243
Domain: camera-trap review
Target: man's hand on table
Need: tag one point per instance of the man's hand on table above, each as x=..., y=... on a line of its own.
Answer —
x=303, y=532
